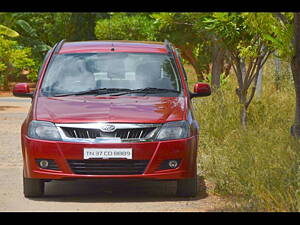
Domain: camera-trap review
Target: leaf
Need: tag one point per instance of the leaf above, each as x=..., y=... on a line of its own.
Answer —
x=27, y=28
x=272, y=39
x=42, y=47
x=8, y=32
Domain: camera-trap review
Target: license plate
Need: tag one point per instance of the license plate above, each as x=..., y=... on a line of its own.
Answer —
x=107, y=153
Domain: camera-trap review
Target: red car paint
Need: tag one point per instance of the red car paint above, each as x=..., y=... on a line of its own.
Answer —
x=108, y=108
x=116, y=109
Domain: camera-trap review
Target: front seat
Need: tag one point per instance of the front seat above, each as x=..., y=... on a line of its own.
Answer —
x=77, y=78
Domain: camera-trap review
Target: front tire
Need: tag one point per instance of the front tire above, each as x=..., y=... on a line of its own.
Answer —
x=33, y=187
x=187, y=187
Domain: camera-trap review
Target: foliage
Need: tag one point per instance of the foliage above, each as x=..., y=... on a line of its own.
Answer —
x=178, y=28
x=223, y=79
x=186, y=32
x=124, y=27
x=229, y=27
x=13, y=59
x=38, y=31
x=260, y=165
x=243, y=34
x=41, y=31
x=7, y=31
x=82, y=27
x=257, y=167
x=32, y=27
x=284, y=35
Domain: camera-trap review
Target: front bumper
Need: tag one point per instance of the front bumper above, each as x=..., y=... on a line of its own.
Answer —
x=154, y=152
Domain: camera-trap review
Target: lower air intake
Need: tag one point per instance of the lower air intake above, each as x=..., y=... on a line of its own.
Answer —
x=108, y=167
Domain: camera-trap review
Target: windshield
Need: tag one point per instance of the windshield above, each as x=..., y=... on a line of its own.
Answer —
x=80, y=72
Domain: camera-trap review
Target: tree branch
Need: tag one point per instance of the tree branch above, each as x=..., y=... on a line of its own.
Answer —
x=281, y=18
x=238, y=71
x=251, y=96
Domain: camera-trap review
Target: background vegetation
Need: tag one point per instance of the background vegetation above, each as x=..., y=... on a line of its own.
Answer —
x=251, y=60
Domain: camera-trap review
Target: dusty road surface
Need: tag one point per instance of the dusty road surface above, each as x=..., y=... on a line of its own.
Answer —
x=83, y=195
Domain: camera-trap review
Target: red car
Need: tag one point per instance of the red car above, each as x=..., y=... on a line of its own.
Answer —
x=110, y=109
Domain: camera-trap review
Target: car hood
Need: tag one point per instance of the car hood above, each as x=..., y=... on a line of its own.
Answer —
x=123, y=109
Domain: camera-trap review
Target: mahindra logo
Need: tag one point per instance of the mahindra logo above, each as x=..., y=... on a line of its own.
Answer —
x=108, y=128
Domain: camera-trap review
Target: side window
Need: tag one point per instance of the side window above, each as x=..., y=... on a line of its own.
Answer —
x=42, y=65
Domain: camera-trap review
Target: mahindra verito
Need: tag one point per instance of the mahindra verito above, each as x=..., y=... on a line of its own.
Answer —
x=110, y=110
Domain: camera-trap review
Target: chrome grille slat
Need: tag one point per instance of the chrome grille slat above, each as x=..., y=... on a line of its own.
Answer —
x=141, y=134
x=75, y=134
x=94, y=132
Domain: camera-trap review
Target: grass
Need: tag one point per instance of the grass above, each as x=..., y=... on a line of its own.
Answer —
x=258, y=167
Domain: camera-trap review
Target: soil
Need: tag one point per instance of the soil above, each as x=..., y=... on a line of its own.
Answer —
x=6, y=94
x=85, y=195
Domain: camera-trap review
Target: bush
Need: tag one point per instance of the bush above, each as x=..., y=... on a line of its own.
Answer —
x=13, y=59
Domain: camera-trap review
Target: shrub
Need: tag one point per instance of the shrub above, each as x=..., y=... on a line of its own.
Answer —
x=13, y=59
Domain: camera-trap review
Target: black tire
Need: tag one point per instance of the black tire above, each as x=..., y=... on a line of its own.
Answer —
x=33, y=187
x=187, y=187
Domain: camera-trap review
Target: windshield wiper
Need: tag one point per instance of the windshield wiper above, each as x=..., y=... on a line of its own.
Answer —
x=94, y=91
x=146, y=90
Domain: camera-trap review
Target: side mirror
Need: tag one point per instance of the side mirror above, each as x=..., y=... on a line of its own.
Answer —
x=22, y=90
x=201, y=90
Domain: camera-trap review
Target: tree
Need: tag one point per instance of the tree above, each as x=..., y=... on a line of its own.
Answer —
x=13, y=59
x=295, y=65
x=121, y=26
x=184, y=30
x=218, y=57
x=178, y=28
x=38, y=31
x=287, y=44
x=243, y=34
x=82, y=27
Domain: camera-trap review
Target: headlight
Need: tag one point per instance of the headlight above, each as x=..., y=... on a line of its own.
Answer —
x=43, y=130
x=174, y=130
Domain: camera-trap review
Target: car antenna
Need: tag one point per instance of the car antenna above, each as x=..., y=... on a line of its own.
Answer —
x=112, y=44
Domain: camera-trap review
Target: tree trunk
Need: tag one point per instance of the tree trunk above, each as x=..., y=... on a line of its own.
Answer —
x=241, y=92
x=243, y=68
x=217, y=65
x=187, y=54
x=227, y=68
x=82, y=27
x=295, y=66
x=244, y=116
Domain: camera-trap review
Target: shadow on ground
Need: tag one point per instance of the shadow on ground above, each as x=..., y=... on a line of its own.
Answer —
x=116, y=191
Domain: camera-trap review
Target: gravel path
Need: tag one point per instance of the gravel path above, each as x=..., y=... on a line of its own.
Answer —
x=83, y=195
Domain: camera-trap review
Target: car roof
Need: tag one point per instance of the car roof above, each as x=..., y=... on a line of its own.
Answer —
x=113, y=46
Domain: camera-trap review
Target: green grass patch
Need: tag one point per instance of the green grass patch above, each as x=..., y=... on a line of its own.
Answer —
x=259, y=166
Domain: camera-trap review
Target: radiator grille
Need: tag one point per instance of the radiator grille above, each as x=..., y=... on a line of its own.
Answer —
x=108, y=167
x=133, y=133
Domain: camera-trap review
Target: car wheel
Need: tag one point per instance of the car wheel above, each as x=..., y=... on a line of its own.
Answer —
x=187, y=187
x=33, y=187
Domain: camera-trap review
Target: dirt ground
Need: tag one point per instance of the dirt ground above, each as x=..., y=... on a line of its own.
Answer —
x=84, y=195
x=6, y=94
